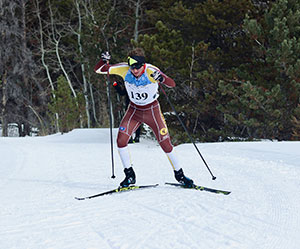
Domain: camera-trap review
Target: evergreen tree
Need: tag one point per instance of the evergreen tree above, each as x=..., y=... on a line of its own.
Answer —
x=275, y=61
x=251, y=111
x=66, y=106
x=197, y=44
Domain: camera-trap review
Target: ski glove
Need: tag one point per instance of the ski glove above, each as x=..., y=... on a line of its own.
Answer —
x=157, y=76
x=105, y=56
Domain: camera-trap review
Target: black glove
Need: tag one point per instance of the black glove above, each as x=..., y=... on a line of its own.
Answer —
x=105, y=56
x=157, y=76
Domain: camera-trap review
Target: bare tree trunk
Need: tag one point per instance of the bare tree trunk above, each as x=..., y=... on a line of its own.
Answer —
x=93, y=104
x=67, y=77
x=192, y=67
x=56, y=41
x=137, y=19
x=44, y=63
x=104, y=117
x=43, y=130
x=4, y=101
x=27, y=88
x=90, y=13
x=85, y=88
x=107, y=47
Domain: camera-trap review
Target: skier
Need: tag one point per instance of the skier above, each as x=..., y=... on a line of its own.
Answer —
x=141, y=82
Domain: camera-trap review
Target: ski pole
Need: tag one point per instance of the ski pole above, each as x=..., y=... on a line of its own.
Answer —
x=184, y=127
x=110, y=125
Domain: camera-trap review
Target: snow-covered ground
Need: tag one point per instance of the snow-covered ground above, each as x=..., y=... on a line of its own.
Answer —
x=40, y=176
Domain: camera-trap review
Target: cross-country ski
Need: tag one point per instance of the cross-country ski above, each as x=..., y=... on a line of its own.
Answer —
x=201, y=188
x=117, y=190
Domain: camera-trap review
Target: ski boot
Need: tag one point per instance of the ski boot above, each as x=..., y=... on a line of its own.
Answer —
x=129, y=178
x=181, y=178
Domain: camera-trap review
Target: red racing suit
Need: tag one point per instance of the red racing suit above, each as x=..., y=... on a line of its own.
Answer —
x=143, y=107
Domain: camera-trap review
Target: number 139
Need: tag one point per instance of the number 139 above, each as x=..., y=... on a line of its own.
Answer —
x=139, y=96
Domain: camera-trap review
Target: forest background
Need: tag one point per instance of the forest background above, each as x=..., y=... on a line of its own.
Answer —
x=236, y=64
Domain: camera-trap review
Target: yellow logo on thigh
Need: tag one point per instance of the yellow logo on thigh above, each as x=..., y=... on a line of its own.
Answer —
x=163, y=131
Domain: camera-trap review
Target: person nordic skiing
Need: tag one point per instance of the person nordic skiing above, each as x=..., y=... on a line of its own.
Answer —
x=141, y=81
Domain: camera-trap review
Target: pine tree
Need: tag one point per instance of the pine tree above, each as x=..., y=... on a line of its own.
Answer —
x=66, y=106
x=251, y=111
x=275, y=59
x=197, y=44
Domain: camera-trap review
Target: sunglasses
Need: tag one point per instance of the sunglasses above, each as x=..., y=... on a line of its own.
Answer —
x=136, y=65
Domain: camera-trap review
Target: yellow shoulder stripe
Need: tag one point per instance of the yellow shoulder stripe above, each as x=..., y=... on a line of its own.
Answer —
x=119, y=69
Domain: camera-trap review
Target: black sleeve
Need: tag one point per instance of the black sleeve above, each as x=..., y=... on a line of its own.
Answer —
x=120, y=90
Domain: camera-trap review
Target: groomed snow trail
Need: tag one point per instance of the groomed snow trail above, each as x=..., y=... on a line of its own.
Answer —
x=39, y=178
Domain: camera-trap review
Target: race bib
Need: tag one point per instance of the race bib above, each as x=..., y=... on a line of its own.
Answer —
x=142, y=95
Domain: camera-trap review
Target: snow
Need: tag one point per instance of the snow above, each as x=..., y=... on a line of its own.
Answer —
x=40, y=176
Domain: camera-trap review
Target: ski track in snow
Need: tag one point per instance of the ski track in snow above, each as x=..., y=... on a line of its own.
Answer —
x=39, y=178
